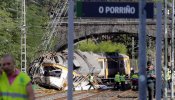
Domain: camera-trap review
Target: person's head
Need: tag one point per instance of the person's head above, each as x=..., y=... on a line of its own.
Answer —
x=169, y=67
x=150, y=65
x=132, y=71
x=8, y=63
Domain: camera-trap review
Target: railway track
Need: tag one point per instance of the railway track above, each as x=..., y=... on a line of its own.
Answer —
x=126, y=95
x=90, y=95
x=104, y=95
x=56, y=95
x=43, y=92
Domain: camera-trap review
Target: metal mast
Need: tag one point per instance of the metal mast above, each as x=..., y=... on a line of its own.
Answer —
x=172, y=67
x=166, y=49
x=23, y=37
x=133, y=54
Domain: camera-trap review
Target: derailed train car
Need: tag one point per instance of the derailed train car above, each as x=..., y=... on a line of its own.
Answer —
x=51, y=70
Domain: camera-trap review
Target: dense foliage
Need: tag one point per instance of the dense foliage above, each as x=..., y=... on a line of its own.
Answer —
x=105, y=46
x=37, y=18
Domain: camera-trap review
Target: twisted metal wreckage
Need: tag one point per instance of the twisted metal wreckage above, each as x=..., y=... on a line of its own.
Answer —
x=51, y=70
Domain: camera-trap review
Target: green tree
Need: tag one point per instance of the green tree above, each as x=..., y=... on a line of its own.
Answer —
x=37, y=20
x=105, y=46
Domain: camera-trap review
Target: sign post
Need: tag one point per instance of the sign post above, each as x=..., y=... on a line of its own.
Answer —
x=70, y=48
x=142, y=51
x=159, y=51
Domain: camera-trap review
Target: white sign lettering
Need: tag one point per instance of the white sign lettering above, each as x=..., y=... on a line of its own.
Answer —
x=101, y=9
x=117, y=10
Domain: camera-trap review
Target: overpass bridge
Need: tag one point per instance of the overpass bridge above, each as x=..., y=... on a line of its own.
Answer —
x=87, y=28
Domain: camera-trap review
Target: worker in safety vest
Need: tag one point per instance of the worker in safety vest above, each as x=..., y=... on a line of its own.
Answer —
x=169, y=77
x=117, y=81
x=91, y=80
x=14, y=85
x=134, y=76
x=122, y=79
x=134, y=80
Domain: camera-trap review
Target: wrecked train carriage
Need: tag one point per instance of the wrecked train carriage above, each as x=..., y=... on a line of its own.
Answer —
x=52, y=71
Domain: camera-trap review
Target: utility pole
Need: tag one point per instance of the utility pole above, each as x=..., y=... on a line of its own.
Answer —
x=172, y=66
x=142, y=51
x=23, y=37
x=166, y=49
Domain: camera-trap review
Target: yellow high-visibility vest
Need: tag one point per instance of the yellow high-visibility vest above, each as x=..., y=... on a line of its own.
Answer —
x=16, y=90
x=117, y=78
x=91, y=78
x=169, y=75
x=135, y=76
x=122, y=78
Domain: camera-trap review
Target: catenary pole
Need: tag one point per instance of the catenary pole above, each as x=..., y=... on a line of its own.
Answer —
x=166, y=49
x=172, y=66
x=23, y=37
x=133, y=54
